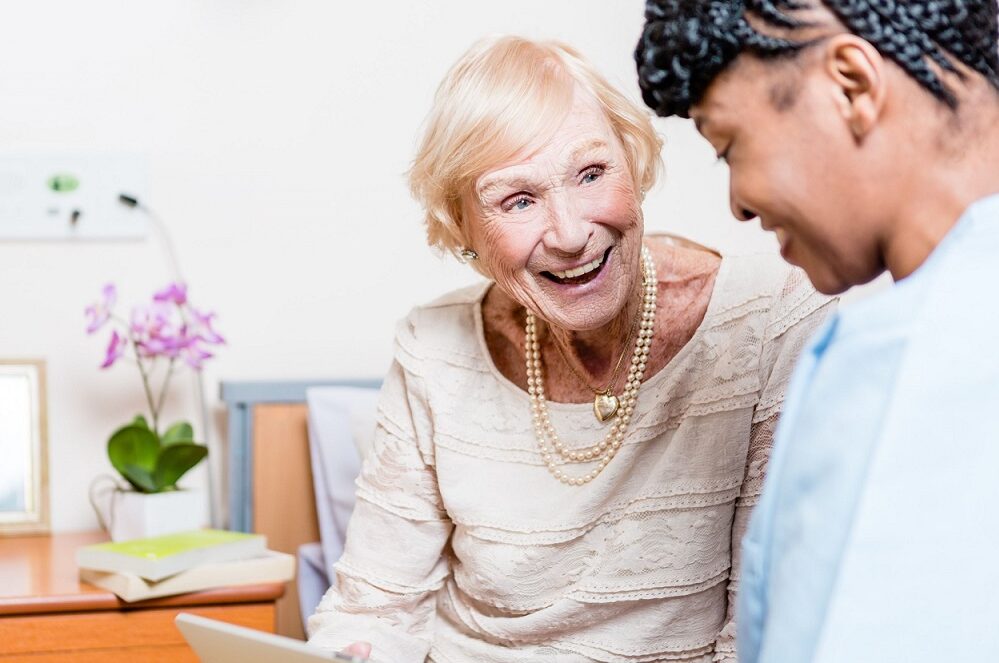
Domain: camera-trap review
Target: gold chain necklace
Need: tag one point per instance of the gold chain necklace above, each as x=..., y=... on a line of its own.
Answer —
x=605, y=403
x=554, y=453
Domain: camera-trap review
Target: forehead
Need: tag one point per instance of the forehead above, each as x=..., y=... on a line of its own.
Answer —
x=726, y=90
x=584, y=128
x=739, y=93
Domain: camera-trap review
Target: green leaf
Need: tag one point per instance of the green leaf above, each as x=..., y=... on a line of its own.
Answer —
x=175, y=460
x=140, y=479
x=141, y=422
x=179, y=432
x=133, y=445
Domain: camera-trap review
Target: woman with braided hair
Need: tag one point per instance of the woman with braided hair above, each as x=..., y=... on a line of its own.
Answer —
x=865, y=134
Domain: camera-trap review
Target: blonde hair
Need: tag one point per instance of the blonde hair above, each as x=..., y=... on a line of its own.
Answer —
x=503, y=95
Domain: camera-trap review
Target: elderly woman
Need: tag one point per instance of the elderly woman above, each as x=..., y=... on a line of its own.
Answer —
x=565, y=455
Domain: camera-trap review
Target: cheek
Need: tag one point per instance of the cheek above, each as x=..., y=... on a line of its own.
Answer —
x=834, y=254
x=505, y=246
x=788, y=189
x=613, y=204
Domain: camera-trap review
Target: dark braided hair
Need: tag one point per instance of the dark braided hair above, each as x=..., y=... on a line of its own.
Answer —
x=687, y=43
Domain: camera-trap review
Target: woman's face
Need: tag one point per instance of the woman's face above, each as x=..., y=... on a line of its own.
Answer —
x=797, y=167
x=559, y=228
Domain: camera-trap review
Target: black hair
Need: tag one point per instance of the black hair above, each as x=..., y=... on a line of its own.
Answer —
x=686, y=43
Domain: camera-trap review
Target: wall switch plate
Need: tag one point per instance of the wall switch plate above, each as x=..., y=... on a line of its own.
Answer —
x=69, y=196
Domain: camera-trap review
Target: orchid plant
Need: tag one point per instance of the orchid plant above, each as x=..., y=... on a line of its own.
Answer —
x=158, y=337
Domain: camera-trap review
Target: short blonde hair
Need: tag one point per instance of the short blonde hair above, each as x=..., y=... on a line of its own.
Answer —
x=502, y=96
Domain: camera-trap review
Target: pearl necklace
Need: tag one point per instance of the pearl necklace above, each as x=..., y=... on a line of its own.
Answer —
x=553, y=452
x=605, y=403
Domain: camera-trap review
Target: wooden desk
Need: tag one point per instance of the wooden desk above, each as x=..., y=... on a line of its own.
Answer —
x=47, y=615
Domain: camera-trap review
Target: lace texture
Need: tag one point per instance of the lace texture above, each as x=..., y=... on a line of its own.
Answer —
x=462, y=547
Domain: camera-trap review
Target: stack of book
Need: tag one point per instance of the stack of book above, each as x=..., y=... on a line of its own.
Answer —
x=179, y=563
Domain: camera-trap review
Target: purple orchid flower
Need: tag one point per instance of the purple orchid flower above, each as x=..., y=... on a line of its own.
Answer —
x=100, y=312
x=175, y=292
x=195, y=356
x=156, y=330
x=167, y=327
x=116, y=348
x=165, y=346
x=201, y=324
x=153, y=318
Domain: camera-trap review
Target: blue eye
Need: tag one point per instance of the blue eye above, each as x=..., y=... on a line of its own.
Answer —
x=519, y=203
x=591, y=174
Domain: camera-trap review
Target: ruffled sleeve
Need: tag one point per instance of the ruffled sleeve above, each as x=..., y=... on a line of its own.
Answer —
x=393, y=562
x=797, y=311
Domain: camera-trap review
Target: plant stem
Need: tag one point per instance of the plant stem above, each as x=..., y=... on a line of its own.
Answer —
x=145, y=385
x=163, y=389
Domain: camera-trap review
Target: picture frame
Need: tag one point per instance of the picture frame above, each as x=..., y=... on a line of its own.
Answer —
x=24, y=487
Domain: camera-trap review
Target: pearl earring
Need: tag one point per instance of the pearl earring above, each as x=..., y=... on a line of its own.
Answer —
x=466, y=256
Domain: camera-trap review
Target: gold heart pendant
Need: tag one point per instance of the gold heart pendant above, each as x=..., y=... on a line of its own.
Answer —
x=605, y=406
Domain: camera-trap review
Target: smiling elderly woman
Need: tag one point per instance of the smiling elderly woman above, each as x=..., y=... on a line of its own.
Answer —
x=565, y=455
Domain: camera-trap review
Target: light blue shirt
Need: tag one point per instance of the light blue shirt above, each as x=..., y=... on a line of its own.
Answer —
x=877, y=535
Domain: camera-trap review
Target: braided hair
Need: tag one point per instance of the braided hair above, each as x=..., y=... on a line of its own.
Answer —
x=687, y=43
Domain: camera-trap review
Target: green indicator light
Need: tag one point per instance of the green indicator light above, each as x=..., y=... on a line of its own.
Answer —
x=63, y=182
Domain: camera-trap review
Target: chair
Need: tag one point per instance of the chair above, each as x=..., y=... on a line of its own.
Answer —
x=341, y=424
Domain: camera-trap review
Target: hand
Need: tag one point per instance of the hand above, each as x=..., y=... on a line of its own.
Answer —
x=360, y=649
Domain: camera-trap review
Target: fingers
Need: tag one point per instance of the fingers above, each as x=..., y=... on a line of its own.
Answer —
x=362, y=649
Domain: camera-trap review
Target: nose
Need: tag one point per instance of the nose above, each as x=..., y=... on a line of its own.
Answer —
x=740, y=210
x=567, y=232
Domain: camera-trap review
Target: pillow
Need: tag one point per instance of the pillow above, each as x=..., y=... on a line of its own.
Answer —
x=341, y=424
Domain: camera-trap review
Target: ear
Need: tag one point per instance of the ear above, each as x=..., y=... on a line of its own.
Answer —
x=858, y=72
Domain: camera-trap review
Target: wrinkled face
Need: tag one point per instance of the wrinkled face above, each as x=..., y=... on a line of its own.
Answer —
x=795, y=164
x=559, y=228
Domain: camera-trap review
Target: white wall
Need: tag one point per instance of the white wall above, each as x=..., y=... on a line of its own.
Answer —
x=278, y=133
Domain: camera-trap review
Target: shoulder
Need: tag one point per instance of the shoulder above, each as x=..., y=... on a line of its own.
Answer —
x=444, y=311
x=444, y=328
x=778, y=292
x=742, y=278
x=783, y=311
x=754, y=276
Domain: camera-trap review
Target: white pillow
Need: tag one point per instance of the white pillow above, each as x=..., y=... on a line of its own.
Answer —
x=341, y=427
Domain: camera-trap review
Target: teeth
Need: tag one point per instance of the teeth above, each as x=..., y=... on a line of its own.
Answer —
x=579, y=271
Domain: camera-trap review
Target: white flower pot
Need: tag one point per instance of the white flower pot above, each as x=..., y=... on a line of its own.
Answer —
x=135, y=515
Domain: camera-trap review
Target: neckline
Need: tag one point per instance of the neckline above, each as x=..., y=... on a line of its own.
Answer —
x=709, y=312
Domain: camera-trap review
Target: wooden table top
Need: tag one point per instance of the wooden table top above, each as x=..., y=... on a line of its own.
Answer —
x=38, y=574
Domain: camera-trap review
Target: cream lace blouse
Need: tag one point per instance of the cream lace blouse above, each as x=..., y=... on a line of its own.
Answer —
x=463, y=548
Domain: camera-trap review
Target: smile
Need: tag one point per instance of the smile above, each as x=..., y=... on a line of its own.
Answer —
x=579, y=275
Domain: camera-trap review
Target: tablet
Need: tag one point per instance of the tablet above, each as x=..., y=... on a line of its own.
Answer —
x=219, y=642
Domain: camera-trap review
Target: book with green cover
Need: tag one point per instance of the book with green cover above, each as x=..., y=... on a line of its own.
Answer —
x=158, y=557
